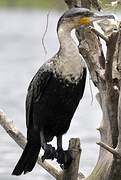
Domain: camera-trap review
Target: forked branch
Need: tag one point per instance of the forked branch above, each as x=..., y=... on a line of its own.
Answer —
x=110, y=149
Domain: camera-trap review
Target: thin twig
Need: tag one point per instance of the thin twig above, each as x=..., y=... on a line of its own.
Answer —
x=110, y=149
x=99, y=34
x=45, y=32
x=91, y=90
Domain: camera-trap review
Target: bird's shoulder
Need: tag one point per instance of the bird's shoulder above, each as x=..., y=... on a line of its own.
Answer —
x=41, y=75
x=40, y=80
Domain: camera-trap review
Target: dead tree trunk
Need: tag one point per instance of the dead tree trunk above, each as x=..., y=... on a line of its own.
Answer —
x=106, y=75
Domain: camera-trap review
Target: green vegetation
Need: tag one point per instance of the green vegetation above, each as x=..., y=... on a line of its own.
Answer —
x=33, y=3
x=44, y=4
x=106, y=4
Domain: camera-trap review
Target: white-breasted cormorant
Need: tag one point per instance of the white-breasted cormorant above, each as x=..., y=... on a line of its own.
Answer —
x=54, y=94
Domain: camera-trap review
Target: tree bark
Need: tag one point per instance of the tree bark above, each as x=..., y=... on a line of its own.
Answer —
x=106, y=75
x=72, y=172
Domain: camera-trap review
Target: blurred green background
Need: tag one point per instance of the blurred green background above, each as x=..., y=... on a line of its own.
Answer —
x=33, y=3
x=56, y=4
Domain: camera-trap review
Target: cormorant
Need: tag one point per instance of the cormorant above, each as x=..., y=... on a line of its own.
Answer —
x=54, y=94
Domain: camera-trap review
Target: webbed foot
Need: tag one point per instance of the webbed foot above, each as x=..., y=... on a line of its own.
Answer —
x=64, y=158
x=49, y=153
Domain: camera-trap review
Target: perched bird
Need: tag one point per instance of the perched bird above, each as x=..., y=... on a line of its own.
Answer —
x=54, y=94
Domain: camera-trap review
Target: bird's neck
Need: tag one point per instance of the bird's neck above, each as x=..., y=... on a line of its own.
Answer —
x=69, y=64
x=68, y=46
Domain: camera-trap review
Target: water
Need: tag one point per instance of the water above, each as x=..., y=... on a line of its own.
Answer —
x=21, y=54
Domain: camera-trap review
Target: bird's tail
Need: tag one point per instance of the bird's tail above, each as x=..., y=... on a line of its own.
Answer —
x=28, y=159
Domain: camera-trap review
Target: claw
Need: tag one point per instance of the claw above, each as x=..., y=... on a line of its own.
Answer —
x=64, y=158
x=43, y=158
x=49, y=153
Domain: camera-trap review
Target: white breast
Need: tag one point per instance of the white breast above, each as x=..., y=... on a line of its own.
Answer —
x=69, y=69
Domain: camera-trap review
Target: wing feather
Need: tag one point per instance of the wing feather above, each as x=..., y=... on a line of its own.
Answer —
x=35, y=91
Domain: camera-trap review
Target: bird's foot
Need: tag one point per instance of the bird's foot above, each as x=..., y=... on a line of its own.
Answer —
x=49, y=153
x=64, y=158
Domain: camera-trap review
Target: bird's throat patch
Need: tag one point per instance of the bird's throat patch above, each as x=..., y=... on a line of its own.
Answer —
x=85, y=20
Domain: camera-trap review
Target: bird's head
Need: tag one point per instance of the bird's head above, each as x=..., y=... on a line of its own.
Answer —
x=77, y=17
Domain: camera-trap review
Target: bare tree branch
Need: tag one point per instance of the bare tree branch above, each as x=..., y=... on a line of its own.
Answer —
x=110, y=149
x=45, y=32
x=74, y=147
x=111, y=45
x=72, y=172
x=21, y=141
x=99, y=34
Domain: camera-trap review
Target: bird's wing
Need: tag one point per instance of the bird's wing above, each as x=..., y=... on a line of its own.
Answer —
x=35, y=91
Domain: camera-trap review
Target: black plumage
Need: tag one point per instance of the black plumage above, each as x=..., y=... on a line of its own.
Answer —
x=53, y=96
x=51, y=103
